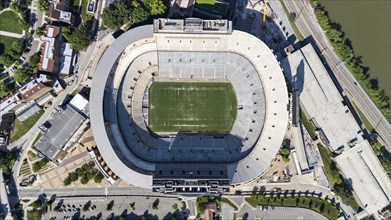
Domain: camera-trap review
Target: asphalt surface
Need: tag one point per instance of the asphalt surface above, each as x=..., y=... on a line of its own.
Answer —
x=308, y=25
x=247, y=212
x=120, y=206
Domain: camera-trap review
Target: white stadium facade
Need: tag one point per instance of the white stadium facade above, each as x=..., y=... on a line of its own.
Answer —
x=188, y=50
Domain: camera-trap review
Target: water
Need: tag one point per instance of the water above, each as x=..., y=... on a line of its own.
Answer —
x=367, y=23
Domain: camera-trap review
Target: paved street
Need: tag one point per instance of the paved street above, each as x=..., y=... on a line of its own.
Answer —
x=308, y=25
x=301, y=185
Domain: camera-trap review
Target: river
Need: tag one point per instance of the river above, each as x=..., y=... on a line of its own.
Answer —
x=367, y=23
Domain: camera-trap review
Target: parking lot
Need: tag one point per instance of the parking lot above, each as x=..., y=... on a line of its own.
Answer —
x=107, y=208
x=271, y=212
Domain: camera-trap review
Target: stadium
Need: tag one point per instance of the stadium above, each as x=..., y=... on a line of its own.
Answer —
x=188, y=106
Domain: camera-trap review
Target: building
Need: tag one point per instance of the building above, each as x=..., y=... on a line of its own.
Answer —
x=32, y=92
x=51, y=50
x=62, y=131
x=339, y=131
x=56, y=55
x=191, y=49
x=9, y=102
x=60, y=10
x=66, y=59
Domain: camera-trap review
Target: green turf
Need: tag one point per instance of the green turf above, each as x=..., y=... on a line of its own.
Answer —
x=191, y=107
x=216, y=5
x=6, y=43
x=10, y=22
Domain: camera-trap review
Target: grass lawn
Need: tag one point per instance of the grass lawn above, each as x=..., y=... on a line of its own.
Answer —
x=10, y=22
x=84, y=15
x=230, y=203
x=292, y=22
x=216, y=5
x=329, y=166
x=34, y=214
x=364, y=119
x=209, y=2
x=6, y=43
x=76, y=3
x=191, y=107
x=308, y=125
x=37, y=138
x=316, y=204
x=22, y=128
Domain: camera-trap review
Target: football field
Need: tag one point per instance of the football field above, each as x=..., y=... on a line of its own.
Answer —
x=191, y=107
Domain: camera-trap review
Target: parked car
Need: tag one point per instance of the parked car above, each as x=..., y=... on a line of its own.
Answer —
x=23, y=184
x=12, y=69
x=22, y=60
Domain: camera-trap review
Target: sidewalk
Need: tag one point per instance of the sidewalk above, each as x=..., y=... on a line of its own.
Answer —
x=10, y=34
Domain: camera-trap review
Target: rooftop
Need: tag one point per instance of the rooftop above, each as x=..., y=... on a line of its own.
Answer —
x=192, y=25
x=319, y=97
x=61, y=127
x=363, y=170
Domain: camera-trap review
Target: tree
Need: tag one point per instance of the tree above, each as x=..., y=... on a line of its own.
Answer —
x=139, y=14
x=4, y=90
x=84, y=179
x=98, y=177
x=132, y=206
x=67, y=181
x=155, y=7
x=85, y=207
x=79, y=38
x=73, y=176
x=20, y=76
x=37, y=204
x=7, y=160
x=40, y=31
x=116, y=15
x=43, y=5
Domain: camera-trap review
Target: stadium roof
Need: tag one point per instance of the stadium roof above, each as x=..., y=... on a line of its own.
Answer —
x=138, y=52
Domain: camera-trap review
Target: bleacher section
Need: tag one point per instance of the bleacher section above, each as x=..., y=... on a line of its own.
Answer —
x=237, y=57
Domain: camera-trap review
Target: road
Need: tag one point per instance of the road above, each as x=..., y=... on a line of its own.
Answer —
x=90, y=192
x=300, y=186
x=308, y=25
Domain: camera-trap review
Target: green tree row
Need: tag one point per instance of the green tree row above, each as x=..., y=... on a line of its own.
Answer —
x=119, y=14
x=337, y=181
x=345, y=52
x=39, y=165
x=86, y=173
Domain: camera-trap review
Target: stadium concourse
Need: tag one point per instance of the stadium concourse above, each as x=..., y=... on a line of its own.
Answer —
x=188, y=51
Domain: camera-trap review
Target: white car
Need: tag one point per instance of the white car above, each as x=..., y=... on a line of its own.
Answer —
x=12, y=69
x=22, y=60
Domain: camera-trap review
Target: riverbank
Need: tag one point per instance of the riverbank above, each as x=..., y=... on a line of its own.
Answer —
x=354, y=63
x=367, y=24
